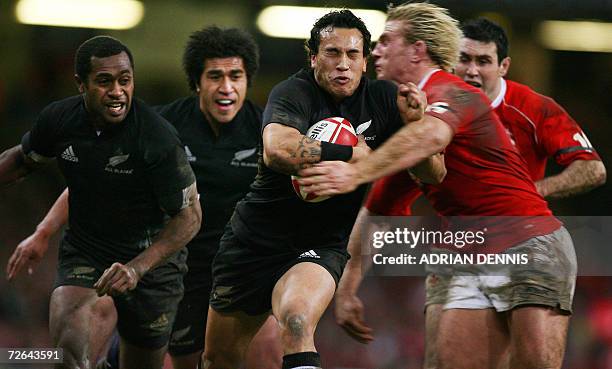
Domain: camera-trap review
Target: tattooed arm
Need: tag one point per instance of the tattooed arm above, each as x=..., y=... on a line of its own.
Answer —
x=286, y=150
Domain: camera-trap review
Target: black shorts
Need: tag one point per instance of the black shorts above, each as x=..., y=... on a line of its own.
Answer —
x=145, y=314
x=245, y=275
x=190, y=324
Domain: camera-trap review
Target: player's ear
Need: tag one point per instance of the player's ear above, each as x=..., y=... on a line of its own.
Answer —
x=80, y=83
x=313, y=60
x=421, y=48
x=504, y=66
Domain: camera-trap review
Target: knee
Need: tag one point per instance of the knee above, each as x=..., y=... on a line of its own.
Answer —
x=295, y=325
x=103, y=310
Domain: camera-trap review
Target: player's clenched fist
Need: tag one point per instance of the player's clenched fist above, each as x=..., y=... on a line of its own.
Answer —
x=116, y=280
x=411, y=102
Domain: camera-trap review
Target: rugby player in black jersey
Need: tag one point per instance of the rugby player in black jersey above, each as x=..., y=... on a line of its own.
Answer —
x=221, y=131
x=133, y=207
x=280, y=254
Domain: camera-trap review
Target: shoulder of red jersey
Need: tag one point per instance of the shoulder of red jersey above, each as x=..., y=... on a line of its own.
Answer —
x=530, y=102
x=442, y=80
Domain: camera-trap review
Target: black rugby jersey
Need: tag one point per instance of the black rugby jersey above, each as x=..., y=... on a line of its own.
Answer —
x=119, y=178
x=271, y=215
x=224, y=166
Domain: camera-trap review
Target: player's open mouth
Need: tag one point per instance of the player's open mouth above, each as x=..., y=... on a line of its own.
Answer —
x=116, y=108
x=225, y=104
x=474, y=83
x=342, y=80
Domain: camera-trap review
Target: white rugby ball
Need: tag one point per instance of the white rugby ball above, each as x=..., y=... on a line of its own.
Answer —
x=335, y=130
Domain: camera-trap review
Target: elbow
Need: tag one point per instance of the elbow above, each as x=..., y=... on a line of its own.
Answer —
x=599, y=174
x=270, y=156
x=280, y=160
x=438, y=142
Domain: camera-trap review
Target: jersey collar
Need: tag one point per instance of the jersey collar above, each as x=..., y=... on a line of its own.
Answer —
x=500, y=97
x=426, y=78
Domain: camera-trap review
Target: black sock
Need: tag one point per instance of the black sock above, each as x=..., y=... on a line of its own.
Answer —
x=303, y=360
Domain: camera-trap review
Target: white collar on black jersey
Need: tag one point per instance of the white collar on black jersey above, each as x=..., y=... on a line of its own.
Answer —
x=426, y=78
x=500, y=97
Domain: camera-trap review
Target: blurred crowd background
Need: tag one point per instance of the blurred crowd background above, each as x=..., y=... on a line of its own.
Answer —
x=36, y=64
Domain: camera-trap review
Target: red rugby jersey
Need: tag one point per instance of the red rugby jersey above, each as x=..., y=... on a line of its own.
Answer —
x=540, y=128
x=393, y=195
x=486, y=176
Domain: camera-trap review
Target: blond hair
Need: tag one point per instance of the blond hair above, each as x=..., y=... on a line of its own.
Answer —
x=434, y=26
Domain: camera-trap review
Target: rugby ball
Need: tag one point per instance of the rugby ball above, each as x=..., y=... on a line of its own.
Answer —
x=335, y=130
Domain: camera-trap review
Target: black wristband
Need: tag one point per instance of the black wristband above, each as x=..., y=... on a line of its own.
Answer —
x=330, y=151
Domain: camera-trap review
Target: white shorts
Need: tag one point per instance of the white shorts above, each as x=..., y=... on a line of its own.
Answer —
x=548, y=279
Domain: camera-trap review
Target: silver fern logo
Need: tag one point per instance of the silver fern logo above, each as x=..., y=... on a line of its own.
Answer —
x=116, y=160
x=363, y=126
x=243, y=154
x=240, y=156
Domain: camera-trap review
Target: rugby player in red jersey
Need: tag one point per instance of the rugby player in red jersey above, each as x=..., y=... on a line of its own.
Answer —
x=537, y=125
x=486, y=176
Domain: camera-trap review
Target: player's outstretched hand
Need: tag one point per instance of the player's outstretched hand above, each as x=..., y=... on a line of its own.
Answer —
x=349, y=315
x=28, y=254
x=411, y=102
x=117, y=280
x=329, y=178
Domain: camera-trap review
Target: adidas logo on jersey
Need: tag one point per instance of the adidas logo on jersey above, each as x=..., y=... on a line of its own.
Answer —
x=69, y=155
x=190, y=156
x=310, y=254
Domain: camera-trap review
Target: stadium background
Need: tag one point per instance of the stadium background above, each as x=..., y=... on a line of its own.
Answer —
x=36, y=68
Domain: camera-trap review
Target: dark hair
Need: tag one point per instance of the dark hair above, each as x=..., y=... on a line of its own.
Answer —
x=342, y=19
x=484, y=30
x=214, y=42
x=99, y=47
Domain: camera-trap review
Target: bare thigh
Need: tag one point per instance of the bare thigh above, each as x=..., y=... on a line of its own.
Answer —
x=432, y=321
x=538, y=337
x=471, y=339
